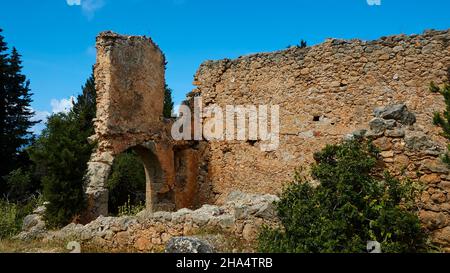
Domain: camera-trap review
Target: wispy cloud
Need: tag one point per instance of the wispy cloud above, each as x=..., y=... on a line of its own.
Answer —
x=73, y=2
x=62, y=105
x=42, y=117
x=58, y=106
x=374, y=2
x=89, y=7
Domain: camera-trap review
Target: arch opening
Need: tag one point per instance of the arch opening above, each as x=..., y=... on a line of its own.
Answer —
x=126, y=184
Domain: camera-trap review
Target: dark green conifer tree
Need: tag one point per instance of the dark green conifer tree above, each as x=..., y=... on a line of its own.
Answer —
x=15, y=112
x=168, y=102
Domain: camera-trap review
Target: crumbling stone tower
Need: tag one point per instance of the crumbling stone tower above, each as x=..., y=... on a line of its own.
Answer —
x=129, y=77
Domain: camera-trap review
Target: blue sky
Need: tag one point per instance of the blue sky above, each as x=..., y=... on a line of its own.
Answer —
x=57, y=37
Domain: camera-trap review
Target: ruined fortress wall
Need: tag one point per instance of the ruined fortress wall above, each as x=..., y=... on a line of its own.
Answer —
x=324, y=92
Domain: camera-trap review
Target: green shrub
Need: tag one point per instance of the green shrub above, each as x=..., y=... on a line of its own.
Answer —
x=12, y=214
x=126, y=183
x=129, y=209
x=443, y=120
x=352, y=205
x=19, y=183
x=8, y=219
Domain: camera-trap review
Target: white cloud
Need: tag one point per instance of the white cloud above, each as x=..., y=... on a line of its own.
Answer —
x=58, y=106
x=89, y=7
x=63, y=105
x=73, y=2
x=42, y=117
x=176, y=110
x=374, y=2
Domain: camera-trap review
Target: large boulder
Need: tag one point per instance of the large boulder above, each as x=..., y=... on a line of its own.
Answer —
x=33, y=227
x=188, y=245
x=247, y=205
x=32, y=221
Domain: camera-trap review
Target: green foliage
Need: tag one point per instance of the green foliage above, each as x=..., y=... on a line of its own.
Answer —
x=61, y=152
x=85, y=109
x=303, y=44
x=126, y=183
x=168, y=102
x=19, y=184
x=12, y=214
x=8, y=219
x=443, y=120
x=350, y=207
x=60, y=155
x=130, y=209
x=15, y=112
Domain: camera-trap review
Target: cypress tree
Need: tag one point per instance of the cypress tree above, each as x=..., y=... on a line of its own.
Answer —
x=20, y=113
x=3, y=80
x=15, y=111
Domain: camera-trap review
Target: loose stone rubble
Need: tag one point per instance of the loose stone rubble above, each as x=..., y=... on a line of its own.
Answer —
x=188, y=245
x=240, y=217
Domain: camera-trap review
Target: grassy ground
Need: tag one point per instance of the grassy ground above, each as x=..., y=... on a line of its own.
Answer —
x=16, y=246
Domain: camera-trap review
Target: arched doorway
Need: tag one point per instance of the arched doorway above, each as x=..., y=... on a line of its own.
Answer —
x=159, y=176
x=126, y=184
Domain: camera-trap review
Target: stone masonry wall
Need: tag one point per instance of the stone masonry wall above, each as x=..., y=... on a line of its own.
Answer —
x=325, y=92
x=409, y=153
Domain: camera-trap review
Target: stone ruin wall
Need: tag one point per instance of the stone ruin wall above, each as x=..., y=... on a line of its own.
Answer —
x=130, y=78
x=326, y=92
x=339, y=81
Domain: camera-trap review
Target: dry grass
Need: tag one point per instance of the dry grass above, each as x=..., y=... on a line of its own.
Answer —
x=17, y=246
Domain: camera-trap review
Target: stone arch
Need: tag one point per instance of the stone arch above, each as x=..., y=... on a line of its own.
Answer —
x=129, y=79
x=129, y=186
x=158, y=176
x=157, y=160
